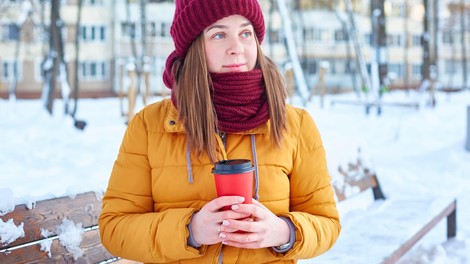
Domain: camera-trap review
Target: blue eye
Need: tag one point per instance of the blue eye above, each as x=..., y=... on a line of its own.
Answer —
x=218, y=36
x=246, y=34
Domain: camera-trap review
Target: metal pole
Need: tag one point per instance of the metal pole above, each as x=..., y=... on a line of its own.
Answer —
x=292, y=50
x=468, y=128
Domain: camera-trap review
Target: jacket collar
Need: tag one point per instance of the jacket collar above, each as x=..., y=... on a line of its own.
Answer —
x=172, y=125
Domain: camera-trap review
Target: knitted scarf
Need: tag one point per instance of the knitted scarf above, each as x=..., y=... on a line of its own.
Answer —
x=239, y=100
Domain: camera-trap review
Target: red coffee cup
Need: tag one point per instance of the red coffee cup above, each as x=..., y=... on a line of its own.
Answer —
x=234, y=177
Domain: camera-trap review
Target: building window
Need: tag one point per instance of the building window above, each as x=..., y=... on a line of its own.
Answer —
x=94, y=2
x=396, y=68
x=340, y=36
x=308, y=34
x=451, y=66
x=94, y=70
x=416, y=40
x=368, y=39
x=311, y=66
x=334, y=67
x=274, y=36
x=7, y=71
x=447, y=37
x=316, y=35
x=10, y=32
x=151, y=29
x=164, y=30
x=350, y=66
x=397, y=10
x=128, y=29
x=93, y=33
x=394, y=40
x=417, y=71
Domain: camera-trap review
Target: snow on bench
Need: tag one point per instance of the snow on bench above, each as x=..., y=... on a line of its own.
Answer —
x=388, y=228
x=59, y=230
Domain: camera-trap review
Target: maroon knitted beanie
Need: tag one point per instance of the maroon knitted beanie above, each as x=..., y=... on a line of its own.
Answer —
x=193, y=16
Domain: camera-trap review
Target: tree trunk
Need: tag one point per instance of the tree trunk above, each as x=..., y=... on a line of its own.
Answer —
x=51, y=72
x=464, y=49
x=76, y=62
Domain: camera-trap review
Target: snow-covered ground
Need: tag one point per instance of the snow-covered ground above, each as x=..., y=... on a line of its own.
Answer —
x=414, y=152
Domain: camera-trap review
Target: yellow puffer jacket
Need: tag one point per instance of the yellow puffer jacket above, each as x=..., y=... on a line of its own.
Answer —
x=156, y=185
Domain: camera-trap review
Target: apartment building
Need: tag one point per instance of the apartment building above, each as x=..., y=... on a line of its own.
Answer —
x=111, y=42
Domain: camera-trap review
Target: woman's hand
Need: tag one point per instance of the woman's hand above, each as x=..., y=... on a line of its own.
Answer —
x=206, y=224
x=265, y=230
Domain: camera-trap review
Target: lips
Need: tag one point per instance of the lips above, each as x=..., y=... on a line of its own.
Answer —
x=235, y=67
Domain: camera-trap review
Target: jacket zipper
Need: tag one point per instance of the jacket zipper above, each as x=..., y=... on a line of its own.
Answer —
x=223, y=137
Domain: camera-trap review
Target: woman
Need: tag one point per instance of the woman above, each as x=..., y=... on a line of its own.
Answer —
x=227, y=102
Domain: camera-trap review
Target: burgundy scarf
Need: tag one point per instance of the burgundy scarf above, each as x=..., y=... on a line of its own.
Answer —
x=239, y=100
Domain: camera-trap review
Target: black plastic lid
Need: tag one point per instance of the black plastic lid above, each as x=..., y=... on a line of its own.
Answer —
x=232, y=166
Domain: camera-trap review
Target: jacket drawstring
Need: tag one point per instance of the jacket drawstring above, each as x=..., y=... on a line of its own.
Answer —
x=188, y=165
x=221, y=258
x=255, y=161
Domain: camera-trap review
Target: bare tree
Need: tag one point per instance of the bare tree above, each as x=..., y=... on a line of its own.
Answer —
x=351, y=64
x=138, y=55
x=54, y=64
x=21, y=28
x=80, y=124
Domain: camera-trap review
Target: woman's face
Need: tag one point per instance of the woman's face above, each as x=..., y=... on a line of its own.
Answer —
x=230, y=45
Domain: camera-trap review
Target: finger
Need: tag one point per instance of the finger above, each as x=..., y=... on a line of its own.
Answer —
x=220, y=202
x=230, y=214
x=239, y=238
x=255, y=202
x=250, y=209
x=245, y=226
x=226, y=229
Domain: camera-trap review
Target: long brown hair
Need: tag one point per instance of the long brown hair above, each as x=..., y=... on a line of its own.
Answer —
x=196, y=111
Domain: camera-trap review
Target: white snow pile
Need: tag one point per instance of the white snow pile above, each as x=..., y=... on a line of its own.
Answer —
x=70, y=236
x=46, y=244
x=9, y=232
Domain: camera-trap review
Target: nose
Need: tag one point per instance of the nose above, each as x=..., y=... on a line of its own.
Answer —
x=235, y=47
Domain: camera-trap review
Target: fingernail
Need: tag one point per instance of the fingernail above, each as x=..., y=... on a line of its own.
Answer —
x=235, y=207
x=225, y=222
x=222, y=235
x=241, y=199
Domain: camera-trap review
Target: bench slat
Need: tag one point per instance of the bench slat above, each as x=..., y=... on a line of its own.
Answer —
x=48, y=214
x=451, y=208
x=93, y=252
x=361, y=181
x=373, y=228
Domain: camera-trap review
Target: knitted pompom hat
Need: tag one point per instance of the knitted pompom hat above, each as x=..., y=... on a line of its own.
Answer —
x=193, y=16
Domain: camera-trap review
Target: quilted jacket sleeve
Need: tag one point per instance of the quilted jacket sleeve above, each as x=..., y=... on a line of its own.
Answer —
x=312, y=206
x=128, y=225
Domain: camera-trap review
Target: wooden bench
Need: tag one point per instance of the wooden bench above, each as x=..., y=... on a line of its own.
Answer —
x=53, y=223
x=388, y=228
